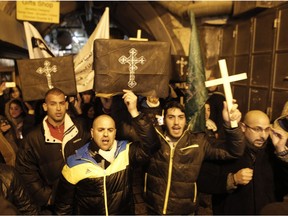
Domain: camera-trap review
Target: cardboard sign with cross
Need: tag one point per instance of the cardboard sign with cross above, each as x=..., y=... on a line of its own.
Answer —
x=225, y=81
x=182, y=63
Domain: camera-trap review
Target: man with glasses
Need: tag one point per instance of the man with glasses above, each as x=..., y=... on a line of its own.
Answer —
x=245, y=185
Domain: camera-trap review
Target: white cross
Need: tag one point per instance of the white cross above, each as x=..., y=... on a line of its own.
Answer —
x=47, y=70
x=132, y=61
x=139, y=37
x=226, y=80
x=182, y=64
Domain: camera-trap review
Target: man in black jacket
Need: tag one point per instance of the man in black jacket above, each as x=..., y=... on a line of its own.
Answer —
x=97, y=180
x=170, y=183
x=16, y=199
x=245, y=185
x=46, y=148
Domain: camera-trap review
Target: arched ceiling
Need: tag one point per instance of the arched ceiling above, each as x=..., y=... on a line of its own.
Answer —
x=150, y=17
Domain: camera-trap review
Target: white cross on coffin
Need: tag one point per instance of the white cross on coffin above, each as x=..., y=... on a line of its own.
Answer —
x=226, y=80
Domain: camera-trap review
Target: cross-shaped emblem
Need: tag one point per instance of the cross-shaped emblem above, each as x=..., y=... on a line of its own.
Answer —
x=132, y=61
x=182, y=64
x=226, y=80
x=47, y=70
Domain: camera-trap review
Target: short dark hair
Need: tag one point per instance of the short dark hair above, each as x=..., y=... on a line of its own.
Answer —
x=54, y=91
x=12, y=90
x=173, y=104
x=20, y=104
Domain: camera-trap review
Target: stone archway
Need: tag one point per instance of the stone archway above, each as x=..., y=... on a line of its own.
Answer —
x=155, y=24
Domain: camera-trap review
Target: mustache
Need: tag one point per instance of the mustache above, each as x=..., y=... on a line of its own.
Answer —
x=176, y=127
x=260, y=140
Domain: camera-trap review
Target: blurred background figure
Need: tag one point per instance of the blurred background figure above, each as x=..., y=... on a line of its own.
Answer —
x=216, y=99
x=88, y=96
x=152, y=106
x=211, y=128
x=20, y=120
x=8, y=145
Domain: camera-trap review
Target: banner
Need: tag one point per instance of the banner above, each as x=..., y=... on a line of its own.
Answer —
x=196, y=95
x=84, y=59
x=36, y=45
x=37, y=76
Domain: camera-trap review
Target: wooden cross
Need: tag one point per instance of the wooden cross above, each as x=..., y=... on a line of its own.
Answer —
x=139, y=37
x=226, y=80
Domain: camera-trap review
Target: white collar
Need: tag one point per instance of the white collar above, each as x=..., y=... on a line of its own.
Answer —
x=152, y=104
x=110, y=154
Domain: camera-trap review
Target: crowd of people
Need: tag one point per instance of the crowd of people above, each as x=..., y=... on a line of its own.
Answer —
x=78, y=155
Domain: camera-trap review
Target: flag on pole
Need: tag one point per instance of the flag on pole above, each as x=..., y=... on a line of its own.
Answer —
x=83, y=61
x=196, y=94
x=36, y=45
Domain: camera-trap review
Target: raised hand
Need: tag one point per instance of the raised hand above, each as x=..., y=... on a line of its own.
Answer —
x=2, y=88
x=279, y=139
x=233, y=115
x=130, y=100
